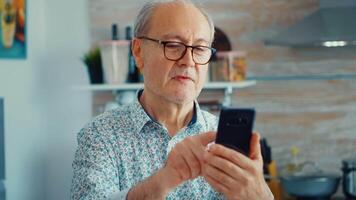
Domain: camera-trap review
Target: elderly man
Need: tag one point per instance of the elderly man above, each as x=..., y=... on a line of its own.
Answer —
x=155, y=147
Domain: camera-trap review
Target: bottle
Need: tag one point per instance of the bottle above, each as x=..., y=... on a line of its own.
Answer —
x=114, y=32
x=133, y=70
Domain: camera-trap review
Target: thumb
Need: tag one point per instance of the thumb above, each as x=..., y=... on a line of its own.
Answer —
x=255, y=147
x=206, y=138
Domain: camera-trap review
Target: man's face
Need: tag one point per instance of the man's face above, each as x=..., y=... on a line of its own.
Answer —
x=176, y=81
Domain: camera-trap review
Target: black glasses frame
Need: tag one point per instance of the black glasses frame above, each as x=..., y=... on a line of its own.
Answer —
x=164, y=43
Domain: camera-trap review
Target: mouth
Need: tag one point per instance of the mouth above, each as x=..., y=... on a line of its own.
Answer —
x=183, y=78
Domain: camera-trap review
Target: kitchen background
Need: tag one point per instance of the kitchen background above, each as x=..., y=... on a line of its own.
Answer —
x=304, y=97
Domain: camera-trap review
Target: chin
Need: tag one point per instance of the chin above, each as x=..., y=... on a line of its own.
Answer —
x=183, y=97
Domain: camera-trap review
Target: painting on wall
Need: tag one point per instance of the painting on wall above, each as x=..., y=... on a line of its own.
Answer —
x=13, y=29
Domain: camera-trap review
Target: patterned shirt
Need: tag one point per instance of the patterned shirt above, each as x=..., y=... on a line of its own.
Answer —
x=124, y=146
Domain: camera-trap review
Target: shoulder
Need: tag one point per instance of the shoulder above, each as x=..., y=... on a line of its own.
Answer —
x=106, y=123
x=113, y=117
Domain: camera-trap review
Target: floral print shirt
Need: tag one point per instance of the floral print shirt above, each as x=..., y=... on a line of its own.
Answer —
x=124, y=146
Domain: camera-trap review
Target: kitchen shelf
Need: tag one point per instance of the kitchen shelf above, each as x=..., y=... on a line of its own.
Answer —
x=228, y=88
x=136, y=86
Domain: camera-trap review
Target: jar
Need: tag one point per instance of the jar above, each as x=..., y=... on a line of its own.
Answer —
x=229, y=66
x=349, y=178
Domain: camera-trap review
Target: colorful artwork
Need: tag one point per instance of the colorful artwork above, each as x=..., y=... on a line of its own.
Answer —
x=13, y=29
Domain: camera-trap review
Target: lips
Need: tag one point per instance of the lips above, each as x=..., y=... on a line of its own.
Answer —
x=182, y=78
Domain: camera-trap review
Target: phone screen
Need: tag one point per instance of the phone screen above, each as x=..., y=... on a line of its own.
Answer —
x=235, y=128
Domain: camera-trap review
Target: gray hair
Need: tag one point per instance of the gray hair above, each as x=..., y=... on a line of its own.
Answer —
x=144, y=16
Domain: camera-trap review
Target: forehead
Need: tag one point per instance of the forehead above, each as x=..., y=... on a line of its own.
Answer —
x=183, y=20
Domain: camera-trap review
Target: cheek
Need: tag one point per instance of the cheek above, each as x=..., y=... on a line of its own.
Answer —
x=155, y=70
x=202, y=73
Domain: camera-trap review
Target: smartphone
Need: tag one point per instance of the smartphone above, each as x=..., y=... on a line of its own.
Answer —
x=235, y=128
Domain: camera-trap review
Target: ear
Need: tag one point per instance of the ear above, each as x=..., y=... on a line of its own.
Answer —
x=136, y=52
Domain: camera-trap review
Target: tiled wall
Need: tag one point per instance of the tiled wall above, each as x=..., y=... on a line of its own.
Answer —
x=314, y=110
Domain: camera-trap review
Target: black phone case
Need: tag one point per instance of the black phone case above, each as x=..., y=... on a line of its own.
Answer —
x=235, y=128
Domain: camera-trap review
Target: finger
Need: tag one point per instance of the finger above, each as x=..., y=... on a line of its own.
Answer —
x=255, y=147
x=190, y=159
x=215, y=184
x=225, y=166
x=233, y=156
x=178, y=163
x=220, y=176
x=206, y=138
x=196, y=148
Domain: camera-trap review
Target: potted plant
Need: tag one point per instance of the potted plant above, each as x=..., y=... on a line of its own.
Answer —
x=92, y=60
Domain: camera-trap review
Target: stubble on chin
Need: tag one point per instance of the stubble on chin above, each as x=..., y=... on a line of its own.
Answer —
x=184, y=96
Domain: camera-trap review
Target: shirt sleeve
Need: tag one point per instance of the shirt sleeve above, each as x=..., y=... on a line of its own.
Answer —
x=95, y=168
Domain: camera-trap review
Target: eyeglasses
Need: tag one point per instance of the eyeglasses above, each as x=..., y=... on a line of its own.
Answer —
x=175, y=51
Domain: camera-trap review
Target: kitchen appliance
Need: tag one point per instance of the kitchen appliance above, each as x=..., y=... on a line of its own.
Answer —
x=307, y=181
x=332, y=25
x=114, y=57
x=2, y=151
x=310, y=187
x=349, y=178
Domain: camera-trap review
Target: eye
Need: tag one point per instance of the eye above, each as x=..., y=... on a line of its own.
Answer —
x=201, y=50
x=173, y=45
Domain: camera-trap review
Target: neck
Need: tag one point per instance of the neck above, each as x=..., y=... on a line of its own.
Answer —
x=171, y=115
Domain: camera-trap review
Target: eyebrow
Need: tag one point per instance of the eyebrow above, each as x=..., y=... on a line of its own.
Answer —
x=175, y=36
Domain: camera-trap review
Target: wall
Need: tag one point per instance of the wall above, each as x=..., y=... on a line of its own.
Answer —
x=67, y=30
x=42, y=112
x=24, y=142
x=304, y=97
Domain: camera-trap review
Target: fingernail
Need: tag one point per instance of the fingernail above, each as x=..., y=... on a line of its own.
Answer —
x=207, y=148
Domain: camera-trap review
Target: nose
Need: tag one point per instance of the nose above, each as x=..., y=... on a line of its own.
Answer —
x=187, y=59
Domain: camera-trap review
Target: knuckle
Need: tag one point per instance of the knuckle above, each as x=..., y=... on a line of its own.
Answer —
x=255, y=171
x=222, y=179
x=233, y=155
x=230, y=167
x=225, y=180
x=244, y=180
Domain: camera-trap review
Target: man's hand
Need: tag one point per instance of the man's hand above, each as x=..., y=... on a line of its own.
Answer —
x=186, y=158
x=235, y=175
x=184, y=162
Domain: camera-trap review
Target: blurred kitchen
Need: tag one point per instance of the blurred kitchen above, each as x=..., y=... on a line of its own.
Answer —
x=293, y=61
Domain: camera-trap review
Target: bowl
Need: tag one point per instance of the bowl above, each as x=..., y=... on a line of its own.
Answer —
x=311, y=186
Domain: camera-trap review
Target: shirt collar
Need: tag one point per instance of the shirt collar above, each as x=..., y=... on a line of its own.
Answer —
x=141, y=117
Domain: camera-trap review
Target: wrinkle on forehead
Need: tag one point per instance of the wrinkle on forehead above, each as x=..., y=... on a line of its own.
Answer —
x=175, y=36
x=180, y=19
